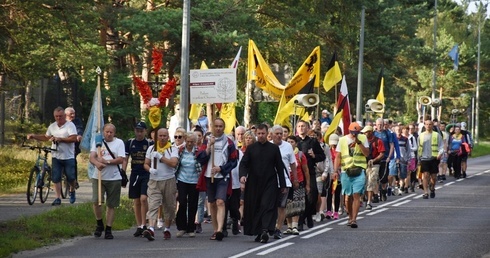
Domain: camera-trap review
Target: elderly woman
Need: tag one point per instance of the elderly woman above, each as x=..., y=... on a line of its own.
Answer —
x=187, y=174
x=179, y=137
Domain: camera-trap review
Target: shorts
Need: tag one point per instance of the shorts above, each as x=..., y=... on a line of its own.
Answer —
x=392, y=167
x=110, y=189
x=282, y=198
x=464, y=157
x=431, y=166
x=403, y=170
x=138, y=185
x=320, y=185
x=216, y=190
x=58, y=165
x=444, y=157
x=383, y=173
x=352, y=185
x=372, y=175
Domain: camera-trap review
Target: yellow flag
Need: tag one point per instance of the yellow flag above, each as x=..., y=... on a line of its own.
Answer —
x=333, y=126
x=285, y=109
x=260, y=72
x=309, y=70
x=228, y=114
x=381, y=83
x=196, y=108
x=333, y=75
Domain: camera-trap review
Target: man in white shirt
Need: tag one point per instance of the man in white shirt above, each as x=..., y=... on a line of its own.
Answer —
x=289, y=160
x=63, y=135
x=160, y=161
x=108, y=165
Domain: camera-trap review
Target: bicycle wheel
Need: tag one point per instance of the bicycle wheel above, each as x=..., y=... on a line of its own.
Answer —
x=65, y=187
x=46, y=177
x=32, y=186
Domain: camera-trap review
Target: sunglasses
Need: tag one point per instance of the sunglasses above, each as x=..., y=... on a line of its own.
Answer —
x=178, y=137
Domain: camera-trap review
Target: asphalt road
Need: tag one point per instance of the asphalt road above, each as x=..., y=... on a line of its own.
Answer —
x=456, y=223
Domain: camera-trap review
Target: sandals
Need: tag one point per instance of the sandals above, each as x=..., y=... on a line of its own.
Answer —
x=213, y=237
x=353, y=224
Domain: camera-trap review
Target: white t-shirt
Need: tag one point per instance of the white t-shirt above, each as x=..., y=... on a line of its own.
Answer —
x=65, y=150
x=164, y=172
x=288, y=158
x=235, y=177
x=110, y=172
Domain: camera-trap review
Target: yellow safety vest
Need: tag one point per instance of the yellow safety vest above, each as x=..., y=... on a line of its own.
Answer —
x=357, y=159
x=434, y=143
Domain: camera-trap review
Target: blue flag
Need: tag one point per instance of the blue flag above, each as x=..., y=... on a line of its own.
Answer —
x=454, y=54
x=94, y=126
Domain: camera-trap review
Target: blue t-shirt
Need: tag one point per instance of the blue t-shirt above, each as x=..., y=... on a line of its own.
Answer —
x=387, y=138
x=137, y=151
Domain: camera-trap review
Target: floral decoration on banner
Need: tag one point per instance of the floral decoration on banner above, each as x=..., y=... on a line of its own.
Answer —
x=157, y=57
x=145, y=91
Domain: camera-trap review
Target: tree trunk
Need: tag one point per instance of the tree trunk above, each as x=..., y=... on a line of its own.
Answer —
x=27, y=113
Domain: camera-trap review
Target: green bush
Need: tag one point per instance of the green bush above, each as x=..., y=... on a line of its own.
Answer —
x=15, y=174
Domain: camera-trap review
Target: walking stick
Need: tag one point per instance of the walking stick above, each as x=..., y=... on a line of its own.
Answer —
x=98, y=144
x=212, y=163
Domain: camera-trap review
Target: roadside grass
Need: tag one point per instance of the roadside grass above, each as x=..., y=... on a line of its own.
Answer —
x=481, y=149
x=17, y=163
x=51, y=227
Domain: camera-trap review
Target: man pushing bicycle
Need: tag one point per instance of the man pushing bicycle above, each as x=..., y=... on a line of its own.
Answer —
x=63, y=135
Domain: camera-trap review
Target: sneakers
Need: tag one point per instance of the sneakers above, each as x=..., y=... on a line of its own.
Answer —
x=277, y=234
x=198, y=228
x=73, y=197
x=288, y=231
x=432, y=193
x=57, y=202
x=139, y=232
x=328, y=215
x=335, y=215
x=317, y=217
x=98, y=231
x=235, y=228
x=375, y=198
x=108, y=234
x=444, y=177
x=425, y=196
x=160, y=224
x=149, y=234
x=166, y=235
x=179, y=234
x=264, y=238
x=369, y=206
x=192, y=234
x=295, y=231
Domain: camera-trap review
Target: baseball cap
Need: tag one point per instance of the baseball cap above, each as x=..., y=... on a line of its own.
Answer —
x=463, y=125
x=354, y=127
x=140, y=125
x=333, y=139
x=325, y=111
x=367, y=128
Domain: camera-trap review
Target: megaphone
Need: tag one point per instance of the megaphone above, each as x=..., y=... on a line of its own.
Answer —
x=425, y=100
x=307, y=100
x=375, y=106
x=436, y=102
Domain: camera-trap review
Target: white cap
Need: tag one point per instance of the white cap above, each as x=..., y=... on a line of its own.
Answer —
x=333, y=139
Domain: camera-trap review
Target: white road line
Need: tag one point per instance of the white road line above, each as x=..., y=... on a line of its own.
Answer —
x=437, y=188
x=470, y=176
x=395, y=201
x=270, y=250
x=418, y=196
x=377, y=211
x=459, y=180
x=261, y=247
x=401, y=203
x=316, y=233
x=450, y=183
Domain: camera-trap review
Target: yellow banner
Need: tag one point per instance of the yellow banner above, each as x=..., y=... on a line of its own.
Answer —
x=260, y=72
x=228, y=114
x=308, y=71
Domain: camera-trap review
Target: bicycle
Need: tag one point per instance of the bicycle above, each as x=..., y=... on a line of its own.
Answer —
x=40, y=175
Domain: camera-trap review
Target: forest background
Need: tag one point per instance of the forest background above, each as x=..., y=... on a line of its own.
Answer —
x=49, y=50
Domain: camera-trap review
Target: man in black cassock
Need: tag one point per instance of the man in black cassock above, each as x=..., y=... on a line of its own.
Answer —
x=260, y=169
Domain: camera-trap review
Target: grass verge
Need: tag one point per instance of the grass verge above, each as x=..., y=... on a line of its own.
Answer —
x=481, y=149
x=55, y=225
